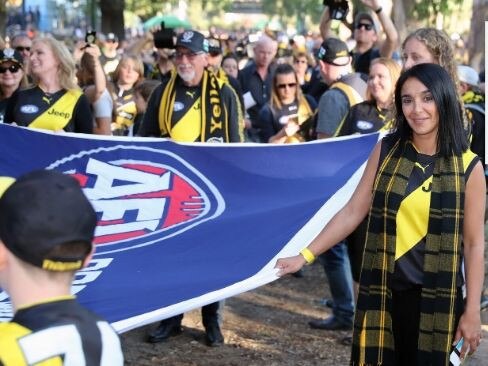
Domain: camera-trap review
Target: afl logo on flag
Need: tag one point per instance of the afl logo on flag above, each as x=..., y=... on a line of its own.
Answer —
x=141, y=195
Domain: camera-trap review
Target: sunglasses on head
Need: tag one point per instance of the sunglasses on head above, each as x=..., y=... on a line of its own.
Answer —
x=289, y=85
x=12, y=68
x=366, y=26
x=22, y=48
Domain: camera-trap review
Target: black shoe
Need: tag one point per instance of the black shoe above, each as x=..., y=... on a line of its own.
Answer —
x=331, y=323
x=327, y=302
x=164, y=331
x=213, y=336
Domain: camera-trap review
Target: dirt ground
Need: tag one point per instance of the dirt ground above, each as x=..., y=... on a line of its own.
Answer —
x=264, y=327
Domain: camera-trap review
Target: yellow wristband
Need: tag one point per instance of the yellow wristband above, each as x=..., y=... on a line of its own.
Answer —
x=308, y=255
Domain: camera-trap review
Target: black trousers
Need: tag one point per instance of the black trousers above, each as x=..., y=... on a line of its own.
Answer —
x=406, y=321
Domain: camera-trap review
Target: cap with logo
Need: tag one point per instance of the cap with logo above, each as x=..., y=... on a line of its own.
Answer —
x=193, y=40
x=112, y=37
x=42, y=210
x=331, y=49
x=214, y=46
x=364, y=16
x=468, y=75
x=9, y=54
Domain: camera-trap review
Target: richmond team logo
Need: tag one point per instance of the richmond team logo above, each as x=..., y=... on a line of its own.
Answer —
x=141, y=195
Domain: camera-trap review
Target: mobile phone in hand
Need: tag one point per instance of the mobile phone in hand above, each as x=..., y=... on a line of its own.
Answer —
x=455, y=357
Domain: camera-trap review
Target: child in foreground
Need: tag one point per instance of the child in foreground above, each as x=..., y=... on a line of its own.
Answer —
x=46, y=231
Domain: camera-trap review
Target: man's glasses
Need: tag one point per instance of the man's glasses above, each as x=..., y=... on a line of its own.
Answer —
x=22, y=48
x=289, y=85
x=12, y=68
x=189, y=55
x=366, y=26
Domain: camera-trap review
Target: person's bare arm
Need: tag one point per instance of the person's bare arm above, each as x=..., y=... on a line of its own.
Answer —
x=324, y=24
x=390, y=43
x=469, y=326
x=99, y=76
x=344, y=222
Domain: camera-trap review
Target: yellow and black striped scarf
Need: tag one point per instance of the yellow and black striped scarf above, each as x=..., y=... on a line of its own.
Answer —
x=373, y=342
x=213, y=111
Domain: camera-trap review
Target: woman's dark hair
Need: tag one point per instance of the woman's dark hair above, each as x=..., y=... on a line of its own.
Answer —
x=283, y=69
x=232, y=56
x=451, y=136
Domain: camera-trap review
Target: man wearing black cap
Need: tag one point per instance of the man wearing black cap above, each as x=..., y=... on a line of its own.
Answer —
x=365, y=34
x=192, y=106
x=46, y=231
x=109, y=57
x=214, y=64
x=184, y=108
x=345, y=90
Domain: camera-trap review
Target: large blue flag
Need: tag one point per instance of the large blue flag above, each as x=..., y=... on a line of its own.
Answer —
x=183, y=225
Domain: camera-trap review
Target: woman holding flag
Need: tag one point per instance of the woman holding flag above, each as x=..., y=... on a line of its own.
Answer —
x=425, y=194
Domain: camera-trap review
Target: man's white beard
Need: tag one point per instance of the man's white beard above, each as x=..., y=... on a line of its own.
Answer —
x=186, y=75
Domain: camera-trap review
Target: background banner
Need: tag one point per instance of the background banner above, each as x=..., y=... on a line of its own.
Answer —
x=183, y=225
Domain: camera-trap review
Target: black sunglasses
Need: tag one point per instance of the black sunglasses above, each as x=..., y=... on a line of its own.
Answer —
x=21, y=48
x=12, y=68
x=289, y=85
x=366, y=26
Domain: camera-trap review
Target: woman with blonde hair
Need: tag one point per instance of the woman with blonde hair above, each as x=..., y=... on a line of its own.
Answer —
x=55, y=102
x=127, y=74
x=288, y=115
x=376, y=112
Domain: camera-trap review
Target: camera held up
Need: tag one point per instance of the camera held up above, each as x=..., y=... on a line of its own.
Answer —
x=163, y=38
x=338, y=9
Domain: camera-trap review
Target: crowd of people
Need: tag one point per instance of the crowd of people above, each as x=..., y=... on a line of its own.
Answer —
x=398, y=255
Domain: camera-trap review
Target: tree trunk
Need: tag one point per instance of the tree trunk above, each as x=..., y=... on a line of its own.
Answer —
x=113, y=17
x=476, y=39
x=3, y=18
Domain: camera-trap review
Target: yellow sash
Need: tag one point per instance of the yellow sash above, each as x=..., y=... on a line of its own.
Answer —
x=57, y=116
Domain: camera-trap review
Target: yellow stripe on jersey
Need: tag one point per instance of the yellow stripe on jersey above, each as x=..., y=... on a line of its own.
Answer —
x=189, y=127
x=11, y=354
x=5, y=182
x=57, y=116
x=413, y=215
x=412, y=219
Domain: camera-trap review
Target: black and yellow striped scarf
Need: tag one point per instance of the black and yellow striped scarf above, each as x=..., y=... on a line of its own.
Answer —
x=373, y=342
x=214, y=114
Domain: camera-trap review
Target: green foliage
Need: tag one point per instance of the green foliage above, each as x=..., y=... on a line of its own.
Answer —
x=426, y=10
x=293, y=8
x=148, y=8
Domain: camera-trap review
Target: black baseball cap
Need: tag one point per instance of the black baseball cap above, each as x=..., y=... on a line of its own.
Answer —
x=41, y=210
x=331, y=49
x=9, y=54
x=193, y=40
x=214, y=46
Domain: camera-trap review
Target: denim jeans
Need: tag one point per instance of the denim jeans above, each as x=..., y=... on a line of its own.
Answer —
x=338, y=271
x=211, y=314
